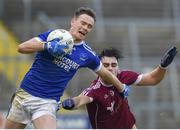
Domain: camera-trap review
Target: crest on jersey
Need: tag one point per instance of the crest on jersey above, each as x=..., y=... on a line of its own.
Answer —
x=111, y=108
x=111, y=93
x=83, y=57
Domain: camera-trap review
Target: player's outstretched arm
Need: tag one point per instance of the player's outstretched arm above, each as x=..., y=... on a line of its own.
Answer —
x=155, y=76
x=30, y=46
x=54, y=47
x=109, y=78
x=76, y=102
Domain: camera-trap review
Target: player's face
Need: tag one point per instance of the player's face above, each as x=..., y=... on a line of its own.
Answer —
x=111, y=64
x=81, y=26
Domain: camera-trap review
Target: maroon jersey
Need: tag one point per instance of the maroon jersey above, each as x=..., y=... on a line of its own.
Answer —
x=108, y=110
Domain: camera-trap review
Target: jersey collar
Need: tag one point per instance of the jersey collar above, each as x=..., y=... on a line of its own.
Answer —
x=104, y=84
x=79, y=43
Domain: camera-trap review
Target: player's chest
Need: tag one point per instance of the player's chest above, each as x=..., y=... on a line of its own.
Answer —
x=79, y=56
x=71, y=62
x=110, y=100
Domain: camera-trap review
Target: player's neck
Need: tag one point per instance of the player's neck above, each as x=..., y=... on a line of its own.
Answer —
x=77, y=41
x=104, y=83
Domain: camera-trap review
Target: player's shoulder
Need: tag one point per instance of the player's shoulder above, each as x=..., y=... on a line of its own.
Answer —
x=127, y=76
x=43, y=36
x=94, y=86
x=88, y=49
x=126, y=72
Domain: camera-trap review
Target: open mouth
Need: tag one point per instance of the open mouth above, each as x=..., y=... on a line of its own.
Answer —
x=82, y=33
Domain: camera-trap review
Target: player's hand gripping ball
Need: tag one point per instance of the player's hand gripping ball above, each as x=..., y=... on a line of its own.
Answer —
x=59, y=42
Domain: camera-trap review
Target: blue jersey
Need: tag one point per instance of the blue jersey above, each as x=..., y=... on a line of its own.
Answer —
x=49, y=75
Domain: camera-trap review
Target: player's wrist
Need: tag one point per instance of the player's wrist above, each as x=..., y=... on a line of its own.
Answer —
x=162, y=67
x=50, y=44
x=124, y=86
x=45, y=46
x=125, y=92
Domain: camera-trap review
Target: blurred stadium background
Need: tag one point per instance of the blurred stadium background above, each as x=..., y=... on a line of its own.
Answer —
x=142, y=29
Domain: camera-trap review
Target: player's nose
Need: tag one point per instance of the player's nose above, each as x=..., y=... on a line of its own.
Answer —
x=110, y=68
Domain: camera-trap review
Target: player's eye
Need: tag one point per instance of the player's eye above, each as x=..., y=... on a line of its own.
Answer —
x=106, y=64
x=90, y=26
x=114, y=64
x=83, y=23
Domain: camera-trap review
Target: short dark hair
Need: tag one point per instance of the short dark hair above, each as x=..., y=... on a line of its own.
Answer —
x=85, y=10
x=111, y=52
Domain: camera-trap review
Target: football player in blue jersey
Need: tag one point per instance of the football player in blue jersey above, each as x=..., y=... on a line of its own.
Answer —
x=38, y=96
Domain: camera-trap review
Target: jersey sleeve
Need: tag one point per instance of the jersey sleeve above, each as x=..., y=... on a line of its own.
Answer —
x=91, y=91
x=88, y=92
x=94, y=62
x=43, y=36
x=129, y=77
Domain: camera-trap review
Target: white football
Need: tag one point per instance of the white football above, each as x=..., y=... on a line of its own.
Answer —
x=65, y=38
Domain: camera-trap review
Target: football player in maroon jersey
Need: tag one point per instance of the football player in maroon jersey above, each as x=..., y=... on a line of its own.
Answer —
x=106, y=109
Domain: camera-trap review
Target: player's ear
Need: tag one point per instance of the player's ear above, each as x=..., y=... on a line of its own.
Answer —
x=73, y=20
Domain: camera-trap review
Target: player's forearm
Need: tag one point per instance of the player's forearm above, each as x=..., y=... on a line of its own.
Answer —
x=30, y=46
x=81, y=100
x=166, y=60
x=76, y=102
x=109, y=78
x=158, y=74
x=153, y=77
x=113, y=79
